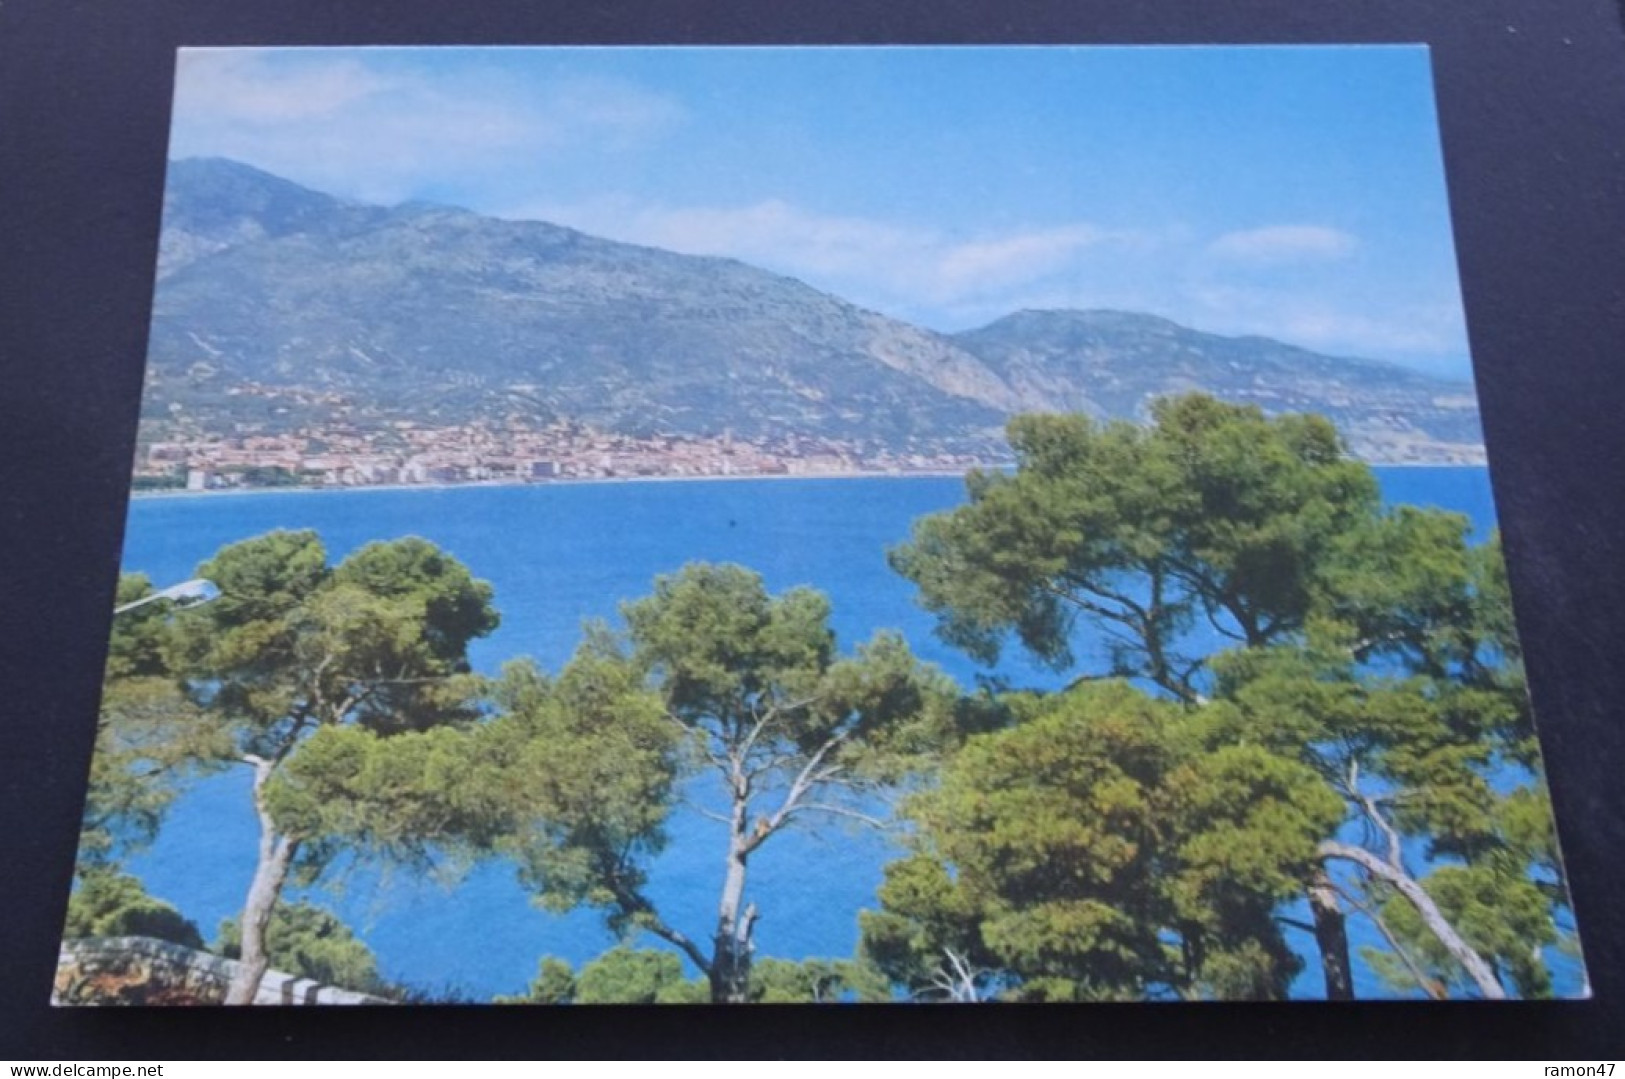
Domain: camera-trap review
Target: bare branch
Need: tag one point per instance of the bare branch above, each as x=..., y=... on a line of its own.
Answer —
x=646, y=916
x=709, y=813
x=356, y=700
x=1128, y=603
x=810, y=776
x=1091, y=606
x=958, y=980
x=1084, y=679
x=771, y=764
x=1432, y=917
x=839, y=811
x=291, y=739
x=1212, y=614
x=1294, y=923
x=762, y=720
x=667, y=933
x=700, y=739
x=1428, y=985
x=1396, y=851
x=316, y=677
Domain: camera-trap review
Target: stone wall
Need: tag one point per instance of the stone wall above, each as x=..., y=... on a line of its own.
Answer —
x=143, y=970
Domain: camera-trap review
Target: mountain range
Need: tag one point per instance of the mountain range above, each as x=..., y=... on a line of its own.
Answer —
x=278, y=307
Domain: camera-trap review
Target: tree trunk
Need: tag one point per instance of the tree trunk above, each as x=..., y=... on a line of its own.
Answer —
x=730, y=962
x=1473, y=963
x=270, y=872
x=1159, y=669
x=1331, y=935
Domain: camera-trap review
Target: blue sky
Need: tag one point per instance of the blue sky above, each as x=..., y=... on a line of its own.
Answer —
x=1292, y=192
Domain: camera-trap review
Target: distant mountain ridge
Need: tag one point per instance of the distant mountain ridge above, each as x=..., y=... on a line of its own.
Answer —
x=1111, y=364
x=278, y=306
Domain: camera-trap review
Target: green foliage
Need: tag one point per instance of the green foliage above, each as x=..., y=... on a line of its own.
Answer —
x=622, y=975
x=296, y=656
x=107, y=903
x=1403, y=586
x=310, y=942
x=378, y=644
x=555, y=983
x=1413, y=757
x=925, y=922
x=583, y=769
x=150, y=737
x=1112, y=841
x=436, y=590
x=1492, y=613
x=627, y=975
x=729, y=659
x=1215, y=512
x=637, y=976
x=140, y=639
x=1375, y=684
x=1433, y=741
x=712, y=674
x=1104, y=849
x=406, y=797
x=150, y=740
x=262, y=580
x=1246, y=821
x=817, y=981
x=1503, y=916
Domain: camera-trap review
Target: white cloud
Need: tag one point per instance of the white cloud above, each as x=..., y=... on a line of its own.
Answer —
x=342, y=124
x=1419, y=327
x=1284, y=243
x=875, y=263
x=1024, y=256
x=950, y=282
x=238, y=85
x=778, y=234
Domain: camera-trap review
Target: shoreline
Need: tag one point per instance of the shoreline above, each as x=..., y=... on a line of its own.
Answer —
x=228, y=492
x=582, y=481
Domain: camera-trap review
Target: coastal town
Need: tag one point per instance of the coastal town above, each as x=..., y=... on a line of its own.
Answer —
x=406, y=453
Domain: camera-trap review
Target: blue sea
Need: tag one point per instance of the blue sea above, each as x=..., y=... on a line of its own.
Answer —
x=556, y=555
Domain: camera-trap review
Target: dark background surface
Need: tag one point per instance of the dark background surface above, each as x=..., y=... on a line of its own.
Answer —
x=1532, y=102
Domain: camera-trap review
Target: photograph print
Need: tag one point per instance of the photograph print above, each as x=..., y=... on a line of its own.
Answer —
x=811, y=525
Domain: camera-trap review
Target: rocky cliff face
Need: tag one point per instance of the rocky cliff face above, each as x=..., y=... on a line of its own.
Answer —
x=144, y=971
x=282, y=307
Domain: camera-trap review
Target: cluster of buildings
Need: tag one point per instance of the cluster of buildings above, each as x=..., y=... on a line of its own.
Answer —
x=404, y=453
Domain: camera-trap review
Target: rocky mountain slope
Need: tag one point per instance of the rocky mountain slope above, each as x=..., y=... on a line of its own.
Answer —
x=279, y=307
x=1111, y=364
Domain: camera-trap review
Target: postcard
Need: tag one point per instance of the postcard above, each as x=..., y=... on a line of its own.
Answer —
x=811, y=525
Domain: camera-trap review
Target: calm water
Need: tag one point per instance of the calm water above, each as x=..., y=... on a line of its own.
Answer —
x=557, y=555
